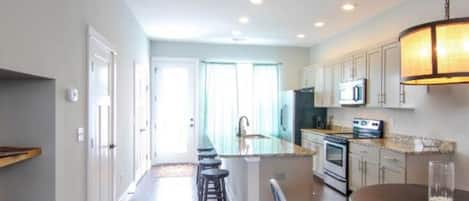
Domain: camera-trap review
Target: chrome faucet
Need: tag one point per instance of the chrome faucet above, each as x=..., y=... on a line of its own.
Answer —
x=241, y=128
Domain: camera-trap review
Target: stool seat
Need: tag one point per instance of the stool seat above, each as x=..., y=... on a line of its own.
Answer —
x=201, y=149
x=215, y=173
x=207, y=154
x=210, y=162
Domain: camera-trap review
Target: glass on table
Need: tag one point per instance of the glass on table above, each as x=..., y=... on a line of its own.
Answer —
x=440, y=181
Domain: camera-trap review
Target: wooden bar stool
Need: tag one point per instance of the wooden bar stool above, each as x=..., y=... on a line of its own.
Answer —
x=205, y=164
x=217, y=178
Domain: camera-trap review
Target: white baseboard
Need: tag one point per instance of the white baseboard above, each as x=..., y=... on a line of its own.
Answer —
x=129, y=192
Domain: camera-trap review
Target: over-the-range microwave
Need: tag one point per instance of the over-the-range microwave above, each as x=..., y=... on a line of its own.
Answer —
x=353, y=92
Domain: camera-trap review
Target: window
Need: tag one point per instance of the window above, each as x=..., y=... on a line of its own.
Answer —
x=243, y=89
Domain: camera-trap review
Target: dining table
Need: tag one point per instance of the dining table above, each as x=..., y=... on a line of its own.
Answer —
x=400, y=192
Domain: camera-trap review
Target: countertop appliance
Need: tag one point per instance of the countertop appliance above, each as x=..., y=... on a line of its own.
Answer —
x=298, y=111
x=336, y=151
x=352, y=92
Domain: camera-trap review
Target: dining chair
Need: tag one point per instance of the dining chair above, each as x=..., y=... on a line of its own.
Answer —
x=277, y=191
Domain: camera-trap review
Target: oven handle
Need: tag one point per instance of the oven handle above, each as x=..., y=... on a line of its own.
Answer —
x=335, y=177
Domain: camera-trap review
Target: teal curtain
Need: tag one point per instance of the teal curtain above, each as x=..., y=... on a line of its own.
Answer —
x=265, y=99
x=221, y=99
x=232, y=90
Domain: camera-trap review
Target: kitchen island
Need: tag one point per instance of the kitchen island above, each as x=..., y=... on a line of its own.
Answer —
x=253, y=160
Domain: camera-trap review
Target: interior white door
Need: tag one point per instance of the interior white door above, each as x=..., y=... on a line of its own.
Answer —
x=101, y=141
x=142, y=120
x=174, y=110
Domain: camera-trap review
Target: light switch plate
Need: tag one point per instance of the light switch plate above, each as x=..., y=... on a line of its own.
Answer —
x=81, y=134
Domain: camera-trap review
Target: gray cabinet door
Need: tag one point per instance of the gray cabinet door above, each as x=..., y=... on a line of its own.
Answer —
x=375, y=74
x=391, y=67
x=355, y=174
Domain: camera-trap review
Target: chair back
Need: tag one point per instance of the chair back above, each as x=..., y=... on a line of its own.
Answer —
x=277, y=192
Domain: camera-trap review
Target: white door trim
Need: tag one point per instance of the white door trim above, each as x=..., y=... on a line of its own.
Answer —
x=94, y=36
x=138, y=177
x=197, y=116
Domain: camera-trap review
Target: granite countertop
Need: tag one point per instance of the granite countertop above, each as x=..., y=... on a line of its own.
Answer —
x=334, y=130
x=232, y=146
x=409, y=144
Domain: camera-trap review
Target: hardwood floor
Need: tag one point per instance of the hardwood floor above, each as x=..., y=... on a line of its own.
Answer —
x=157, y=187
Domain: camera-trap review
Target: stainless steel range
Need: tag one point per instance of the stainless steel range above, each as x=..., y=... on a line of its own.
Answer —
x=336, y=151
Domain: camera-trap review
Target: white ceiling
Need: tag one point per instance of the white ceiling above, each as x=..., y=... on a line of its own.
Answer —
x=275, y=22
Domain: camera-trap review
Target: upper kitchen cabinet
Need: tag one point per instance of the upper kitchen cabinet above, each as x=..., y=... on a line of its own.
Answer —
x=396, y=95
x=308, y=77
x=392, y=96
x=347, y=69
x=326, y=92
x=336, y=79
x=354, y=67
x=329, y=87
x=375, y=77
x=319, y=87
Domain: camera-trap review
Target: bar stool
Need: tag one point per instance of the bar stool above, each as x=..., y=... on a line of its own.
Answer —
x=205, y=164
x=207, y=155
x=202, y=149
x=217, y=177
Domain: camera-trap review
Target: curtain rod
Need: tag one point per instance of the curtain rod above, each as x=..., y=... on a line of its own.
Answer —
x=224, y=62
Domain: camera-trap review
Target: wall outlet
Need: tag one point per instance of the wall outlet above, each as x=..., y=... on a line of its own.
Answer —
x=81, y=134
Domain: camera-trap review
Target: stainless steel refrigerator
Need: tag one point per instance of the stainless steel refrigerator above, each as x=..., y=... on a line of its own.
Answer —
x=297, y=111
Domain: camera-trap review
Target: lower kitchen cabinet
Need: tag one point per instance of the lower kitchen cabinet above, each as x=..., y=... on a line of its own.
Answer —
x=355, y=176
x=371, y=165
x=390, y=176
x=363, y=166
x=371, y=175
x=315, y=142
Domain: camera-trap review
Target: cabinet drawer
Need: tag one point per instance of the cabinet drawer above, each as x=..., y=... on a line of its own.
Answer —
x=368, y=153
x=317, y=138
x=392, y=160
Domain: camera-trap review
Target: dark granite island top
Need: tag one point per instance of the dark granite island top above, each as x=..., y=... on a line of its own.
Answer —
x=269, y=146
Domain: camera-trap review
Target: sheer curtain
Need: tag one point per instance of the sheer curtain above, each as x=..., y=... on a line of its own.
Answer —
x=234, y=90
x=221, y=99
x=265, y=99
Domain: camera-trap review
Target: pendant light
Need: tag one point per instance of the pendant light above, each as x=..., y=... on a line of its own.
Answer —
x=436, y=53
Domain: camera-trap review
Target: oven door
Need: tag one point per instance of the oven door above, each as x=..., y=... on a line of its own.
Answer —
x=335, y=158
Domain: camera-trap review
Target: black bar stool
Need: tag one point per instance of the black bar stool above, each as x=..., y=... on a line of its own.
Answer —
x=217, y=177
x=201, y=149
x=205, y=164
x=207, y=155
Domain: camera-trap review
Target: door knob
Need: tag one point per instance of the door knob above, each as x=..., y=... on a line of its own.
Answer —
x=112, y=146
x=191, y=125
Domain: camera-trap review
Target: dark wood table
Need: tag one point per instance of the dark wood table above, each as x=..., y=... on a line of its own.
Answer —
x=399, y=192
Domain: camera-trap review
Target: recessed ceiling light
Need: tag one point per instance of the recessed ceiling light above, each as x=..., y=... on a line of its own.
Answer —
x=319, y=24
x=236, y=33
x=348, y=7
x=243, y=20
x=300, y=36
x=257, y=2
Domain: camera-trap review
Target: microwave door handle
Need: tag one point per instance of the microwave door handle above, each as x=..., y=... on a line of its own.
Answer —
x=356, y=93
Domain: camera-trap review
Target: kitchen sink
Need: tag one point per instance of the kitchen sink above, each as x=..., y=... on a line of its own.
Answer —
x=255, y=136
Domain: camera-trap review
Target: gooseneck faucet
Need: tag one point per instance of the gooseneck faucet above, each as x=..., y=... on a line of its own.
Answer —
x=241, y=128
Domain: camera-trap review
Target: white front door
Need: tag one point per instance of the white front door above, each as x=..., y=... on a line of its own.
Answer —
x=174, y=105
x=142, y=120
x=101, y=117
